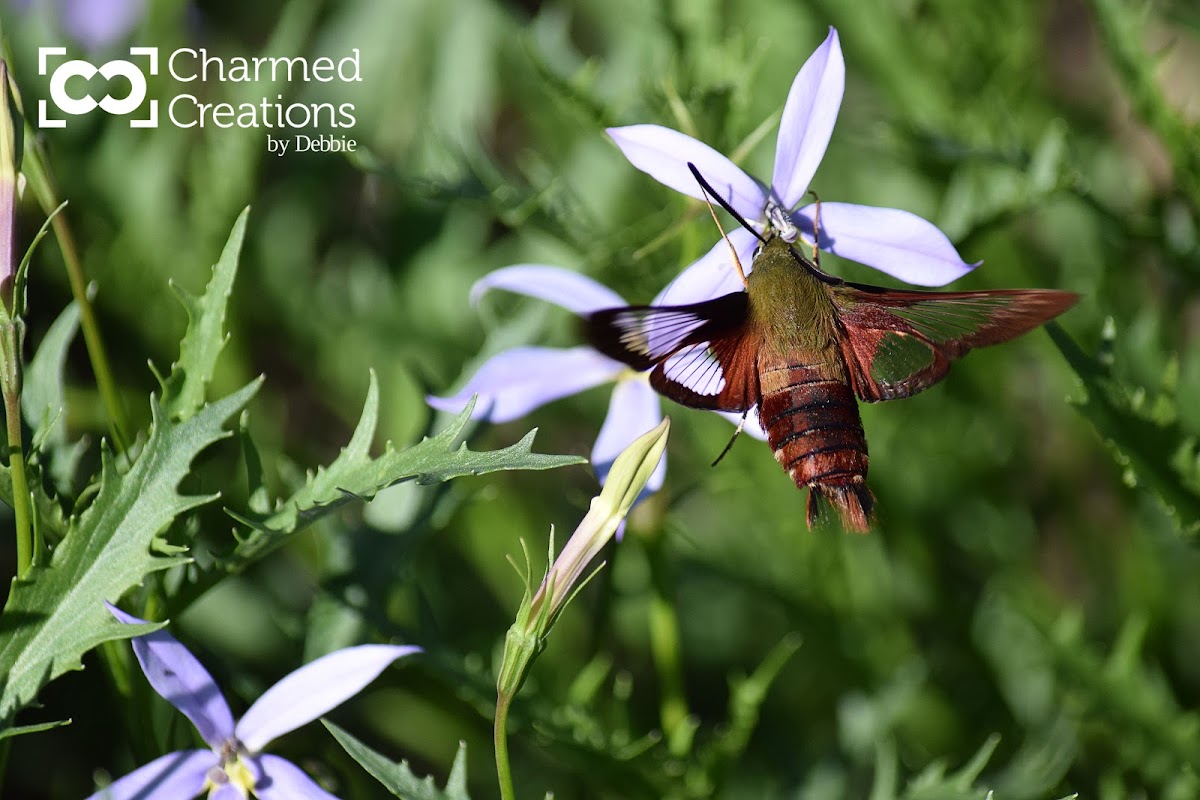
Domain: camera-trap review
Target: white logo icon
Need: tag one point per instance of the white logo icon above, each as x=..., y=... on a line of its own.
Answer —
x=77, y=106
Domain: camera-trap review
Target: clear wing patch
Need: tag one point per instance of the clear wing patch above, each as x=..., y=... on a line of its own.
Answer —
x=697, y=369
x=898, y=358
x=943, y=320
x=654, y=332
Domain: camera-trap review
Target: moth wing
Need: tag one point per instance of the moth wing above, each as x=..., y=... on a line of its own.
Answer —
x=702, y=355
x=899, y=343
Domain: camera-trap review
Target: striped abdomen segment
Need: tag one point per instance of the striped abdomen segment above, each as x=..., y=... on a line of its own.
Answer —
x=813, y=426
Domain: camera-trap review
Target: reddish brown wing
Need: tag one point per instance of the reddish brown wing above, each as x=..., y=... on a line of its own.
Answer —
x=703, y=355
x=900, y=343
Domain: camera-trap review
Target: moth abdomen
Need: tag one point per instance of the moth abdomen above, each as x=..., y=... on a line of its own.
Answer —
x=813, y=426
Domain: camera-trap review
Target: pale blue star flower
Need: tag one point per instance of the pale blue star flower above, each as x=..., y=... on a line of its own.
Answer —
x=235, y=767
x=515, y=382
x=97, y=24
x=897, y=242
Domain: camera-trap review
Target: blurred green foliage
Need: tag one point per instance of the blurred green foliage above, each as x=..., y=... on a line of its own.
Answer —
x=1026, y=615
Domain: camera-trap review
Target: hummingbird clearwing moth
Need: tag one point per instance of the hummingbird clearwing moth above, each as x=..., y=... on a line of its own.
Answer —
x=803, y=346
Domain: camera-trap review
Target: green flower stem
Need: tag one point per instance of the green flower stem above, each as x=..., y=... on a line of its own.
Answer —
x=39, y=181
x=22, y=511
x=37, y=175
x=521, y=647
x=500, y=737
x=5, y=746
x=12, y=327
x=665, y=641
x=565, y=577
x=91, y=330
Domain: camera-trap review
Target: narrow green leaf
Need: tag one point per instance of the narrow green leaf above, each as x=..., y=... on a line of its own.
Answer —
x=21, y=730
x=55, y=613
x=201, y=346
x=22, y=276
x=397, y=778
x=42, y=394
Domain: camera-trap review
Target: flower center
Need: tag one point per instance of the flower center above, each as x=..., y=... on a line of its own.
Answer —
x=781, y=220
x=235, y=768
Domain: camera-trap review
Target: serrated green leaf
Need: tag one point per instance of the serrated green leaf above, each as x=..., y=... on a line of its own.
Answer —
x=745, y=703
x=55, y=613
x=747, y=696
x=201, y=346
x=42, y=393
x=355, y=475
x=933, y=783
x=1147, y=447
x=397, y=778
x=48, y=513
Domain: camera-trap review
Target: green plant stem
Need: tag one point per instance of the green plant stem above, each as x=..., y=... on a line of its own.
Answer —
x=22, y=511
x=21, y=508
x=39, y=181
x=665, y=641
x=500, y=737
x=5, y=747
x=91, y=331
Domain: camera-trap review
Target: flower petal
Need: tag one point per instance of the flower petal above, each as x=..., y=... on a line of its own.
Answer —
x=713, y=274
x=314, y=689
x=513, y=383
x=901, y=244
x=753, y=426
x=175, y=776
x=663, y=154
x=634, y=409
x=97, y=24
x=808, y=118
x=181, y=680
x=571, y=290
x=283, y=780
x=226, y=791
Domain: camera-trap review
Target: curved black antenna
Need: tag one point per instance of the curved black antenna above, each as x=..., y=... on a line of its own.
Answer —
x=801, y=259
x=721, y=202
x=813, y=269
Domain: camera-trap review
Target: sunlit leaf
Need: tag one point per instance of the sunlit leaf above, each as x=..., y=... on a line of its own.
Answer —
x=184, y=388
x=55, y=613
x=355, y=475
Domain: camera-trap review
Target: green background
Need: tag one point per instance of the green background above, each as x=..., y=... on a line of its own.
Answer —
x=1025, y=577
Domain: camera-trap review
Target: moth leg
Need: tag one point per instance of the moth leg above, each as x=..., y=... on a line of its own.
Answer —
x=733, y=438
x=732, y=250
x=816, y=256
